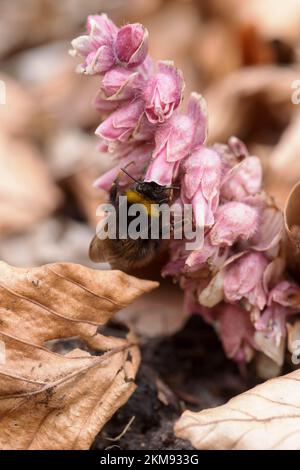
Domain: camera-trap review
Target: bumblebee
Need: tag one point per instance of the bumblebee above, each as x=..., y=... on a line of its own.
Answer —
x=128, y=254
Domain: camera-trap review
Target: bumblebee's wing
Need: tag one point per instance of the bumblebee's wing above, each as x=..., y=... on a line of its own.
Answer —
x=107, y=251
x=98, y=251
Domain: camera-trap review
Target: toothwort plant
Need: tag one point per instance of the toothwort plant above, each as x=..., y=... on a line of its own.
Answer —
x=236, y=279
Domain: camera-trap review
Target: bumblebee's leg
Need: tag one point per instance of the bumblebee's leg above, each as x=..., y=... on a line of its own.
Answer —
x=114, y=190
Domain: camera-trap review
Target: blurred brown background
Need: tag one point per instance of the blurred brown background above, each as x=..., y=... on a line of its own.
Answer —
x=243, y=56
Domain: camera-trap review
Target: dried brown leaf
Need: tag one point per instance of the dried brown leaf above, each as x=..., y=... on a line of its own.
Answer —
x=53, y=401
x=265, y=417
x=284, y=159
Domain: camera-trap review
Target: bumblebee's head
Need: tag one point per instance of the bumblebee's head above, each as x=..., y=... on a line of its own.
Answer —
x=152, y=191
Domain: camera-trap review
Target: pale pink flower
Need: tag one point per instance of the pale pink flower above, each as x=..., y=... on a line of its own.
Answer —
x=270, y=230
x=161, y=172
x=131, y=45
x=121, y=84
x=125, y=123
x=286, y=294
x=234, y=221
x=182, y=133
x=244, y=179
x=211, y=255
x=280, y=304
x=273, y=323
x=244, y=280
x=101, y=28
x=135, y=161
x=236, y=332
x=163, y=92
x=96, y=48
x=237, y=147
x=201, y=184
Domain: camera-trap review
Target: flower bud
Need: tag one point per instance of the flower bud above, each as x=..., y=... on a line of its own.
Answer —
x=182, y=133
x=233, y=221
x=163, y=93
x=120, y=125
x=121, y=84
x=244, y=179
x=131, y=45
x=202, y=184
x=236, y=333
x=162, y=172
x=244, y=280
x=96, y=48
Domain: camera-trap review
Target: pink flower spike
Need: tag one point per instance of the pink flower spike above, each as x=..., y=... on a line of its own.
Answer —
x=234, y=221
x=120, y=125
x=244, y=179
x=163, y=92
x=244, y=280
x=131, y=45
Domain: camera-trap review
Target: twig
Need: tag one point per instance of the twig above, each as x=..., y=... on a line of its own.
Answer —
x=115, y=439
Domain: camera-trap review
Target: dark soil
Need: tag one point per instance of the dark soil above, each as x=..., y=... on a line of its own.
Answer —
x=186, y=371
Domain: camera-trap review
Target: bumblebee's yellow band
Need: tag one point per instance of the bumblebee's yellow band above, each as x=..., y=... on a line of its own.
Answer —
x=136, y=198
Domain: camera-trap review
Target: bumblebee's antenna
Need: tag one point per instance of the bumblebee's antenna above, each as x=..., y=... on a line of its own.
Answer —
x=172, y=187
x=126, y=173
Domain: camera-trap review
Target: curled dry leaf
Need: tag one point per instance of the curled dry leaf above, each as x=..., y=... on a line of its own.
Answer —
x=265, y=417
x=236, y=94
x=27, y=193
x=292, y=228
x=284, y=159
x=53, y=401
